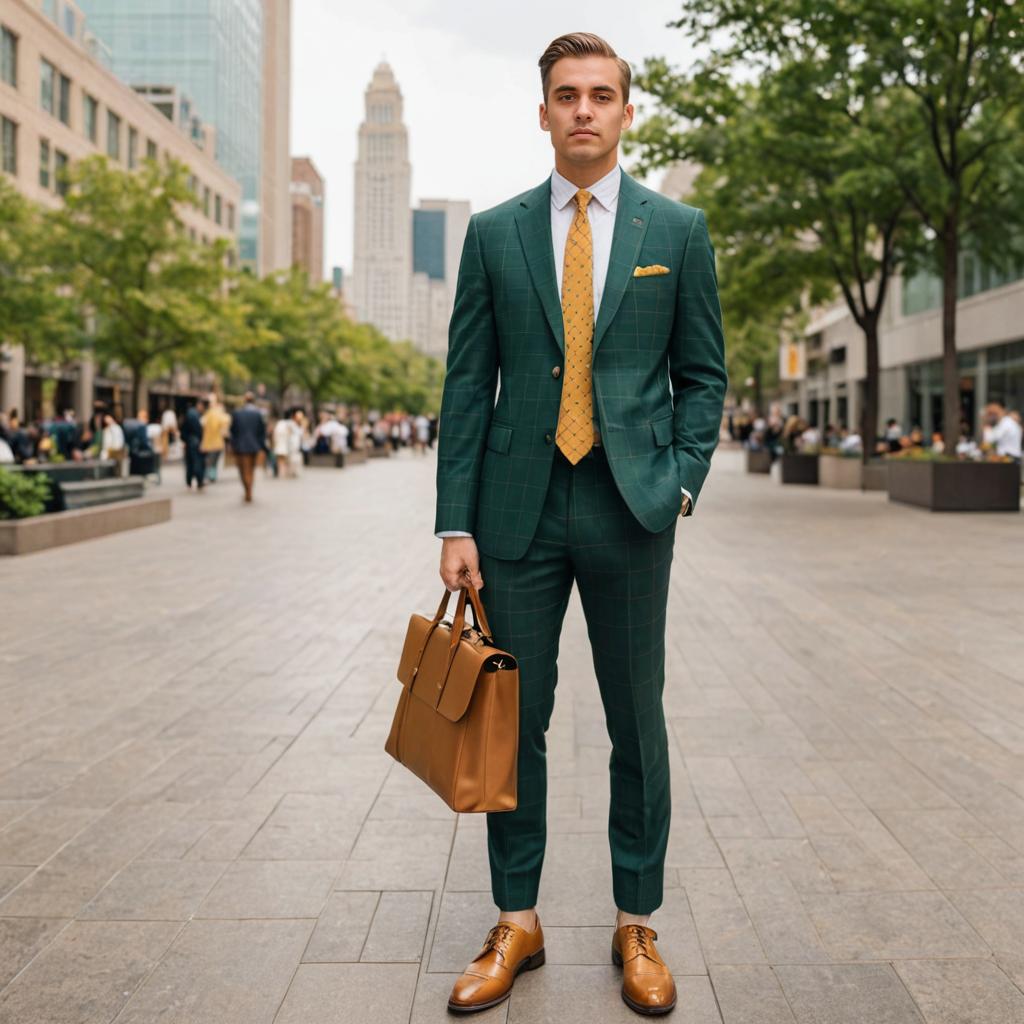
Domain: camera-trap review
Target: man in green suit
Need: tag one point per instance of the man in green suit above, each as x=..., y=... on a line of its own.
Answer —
x=589, y=306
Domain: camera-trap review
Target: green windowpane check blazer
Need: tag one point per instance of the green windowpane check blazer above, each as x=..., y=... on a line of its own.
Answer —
x=658, y=366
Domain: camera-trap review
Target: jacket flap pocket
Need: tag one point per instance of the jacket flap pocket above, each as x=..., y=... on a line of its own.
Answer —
x=499, y=437
x=662, y=430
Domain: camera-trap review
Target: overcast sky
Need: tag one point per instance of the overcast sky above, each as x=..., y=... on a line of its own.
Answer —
x=470, y=85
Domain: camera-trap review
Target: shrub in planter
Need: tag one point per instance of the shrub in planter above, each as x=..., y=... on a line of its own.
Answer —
x=943, y=483
x=23, y=494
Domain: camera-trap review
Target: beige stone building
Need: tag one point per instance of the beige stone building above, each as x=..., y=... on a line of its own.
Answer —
x=382, y=251
x=307, y=191
x=59, y=103
x=275, y=156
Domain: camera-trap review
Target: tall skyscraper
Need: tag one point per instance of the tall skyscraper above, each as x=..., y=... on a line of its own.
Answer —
x=307, y=218
x=275, y=156
x=218, y=52
x=439, y=231
x=382, y=256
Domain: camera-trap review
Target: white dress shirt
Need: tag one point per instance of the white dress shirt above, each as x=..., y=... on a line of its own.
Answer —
x=601, y=215
x=1007, y=437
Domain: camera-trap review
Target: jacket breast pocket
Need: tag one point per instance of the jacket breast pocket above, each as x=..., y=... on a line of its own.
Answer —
x=499, y=437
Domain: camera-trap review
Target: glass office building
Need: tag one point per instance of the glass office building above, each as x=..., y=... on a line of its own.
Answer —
x=211, y=50
x=428, y=243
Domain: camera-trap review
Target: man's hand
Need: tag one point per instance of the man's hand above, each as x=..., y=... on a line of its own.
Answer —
x=685, y=505
x=460, y=563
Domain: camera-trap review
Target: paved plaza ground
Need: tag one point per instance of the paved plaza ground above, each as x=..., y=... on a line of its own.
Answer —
x=199, y=824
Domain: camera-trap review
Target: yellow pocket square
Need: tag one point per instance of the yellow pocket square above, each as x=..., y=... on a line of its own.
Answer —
x=654, y=268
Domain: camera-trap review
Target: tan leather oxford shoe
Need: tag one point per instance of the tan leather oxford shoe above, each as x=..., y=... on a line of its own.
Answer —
x=488, y=979
x=647, y=983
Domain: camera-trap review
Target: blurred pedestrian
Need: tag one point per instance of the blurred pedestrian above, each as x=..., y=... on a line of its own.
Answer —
x=1004, y=433
x=421, y=434
x=192, y=437
x=169, y=429
x=112, y=445
x=216, y=424
x=281, y=444
x=248, y=436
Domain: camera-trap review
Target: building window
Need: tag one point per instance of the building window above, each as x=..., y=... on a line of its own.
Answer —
x=206, y=200
x=113, y=136
x=64, y=100
x=133, y=148
x=70, y=21
x=90, y=117
x=231, y=216
x=193, y=185
x=8, y=146
x=217, y=212
x=60, y=167
x=150, y=149
x=44, y=163
x=9, y=57
x=47, y=77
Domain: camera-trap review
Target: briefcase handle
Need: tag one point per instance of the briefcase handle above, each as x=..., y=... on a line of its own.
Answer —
x=479, y=615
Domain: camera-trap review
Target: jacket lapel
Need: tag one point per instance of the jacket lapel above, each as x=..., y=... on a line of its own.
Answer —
x=533, y=219
x=631, y=220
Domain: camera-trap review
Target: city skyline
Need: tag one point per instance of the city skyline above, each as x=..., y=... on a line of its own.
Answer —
x=434, y=49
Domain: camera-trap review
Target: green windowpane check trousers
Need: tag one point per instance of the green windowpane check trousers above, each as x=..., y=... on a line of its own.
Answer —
x=587, y=533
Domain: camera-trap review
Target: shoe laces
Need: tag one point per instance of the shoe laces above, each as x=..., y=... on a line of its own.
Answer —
x=499, y=938
x=638, y=939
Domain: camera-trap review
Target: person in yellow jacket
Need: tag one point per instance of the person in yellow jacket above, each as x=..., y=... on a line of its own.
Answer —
x=216, y=423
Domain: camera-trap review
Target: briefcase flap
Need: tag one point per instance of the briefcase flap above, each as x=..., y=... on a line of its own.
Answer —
x=424, y=673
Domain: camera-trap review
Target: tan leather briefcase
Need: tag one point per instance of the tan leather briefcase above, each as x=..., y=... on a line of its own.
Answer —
x=457, y=721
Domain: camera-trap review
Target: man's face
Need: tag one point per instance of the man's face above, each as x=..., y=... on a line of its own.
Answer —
x=584, y=112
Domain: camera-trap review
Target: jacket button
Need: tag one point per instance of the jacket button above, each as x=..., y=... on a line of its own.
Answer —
x=547, y=439
x=556, y=371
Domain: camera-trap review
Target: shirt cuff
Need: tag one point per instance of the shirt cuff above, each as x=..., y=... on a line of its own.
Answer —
x=453, y=533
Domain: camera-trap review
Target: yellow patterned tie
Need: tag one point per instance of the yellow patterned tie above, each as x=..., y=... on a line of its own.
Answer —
x=575, y=434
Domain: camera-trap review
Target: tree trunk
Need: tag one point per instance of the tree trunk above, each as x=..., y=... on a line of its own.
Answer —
x=756, y=373
x=869, y=413
x=950, y=372
x=136, y=389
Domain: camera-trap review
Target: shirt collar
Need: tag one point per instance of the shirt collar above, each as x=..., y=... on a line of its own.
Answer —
x=605, y=190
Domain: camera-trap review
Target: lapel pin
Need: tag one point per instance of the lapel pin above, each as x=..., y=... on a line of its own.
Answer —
x=638, y=220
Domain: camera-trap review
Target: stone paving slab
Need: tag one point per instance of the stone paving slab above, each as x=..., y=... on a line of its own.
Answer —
x=198, y=822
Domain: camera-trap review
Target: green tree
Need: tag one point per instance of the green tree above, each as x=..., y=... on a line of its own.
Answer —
x=155, y=298
x=798, y=194
x=947, y=75
x=35, y=312
x=284, y=323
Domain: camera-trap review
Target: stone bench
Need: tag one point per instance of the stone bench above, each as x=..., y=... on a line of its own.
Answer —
x=88, y=493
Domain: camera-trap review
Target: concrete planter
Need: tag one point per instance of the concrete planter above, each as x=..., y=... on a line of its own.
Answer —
x=326, y=460
x=36, y=533
x=759, y=460
x=383, y=452
x=955, y=486
x=840, y=471
x=355, y=455
x=875, y=475
x=798, y=468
